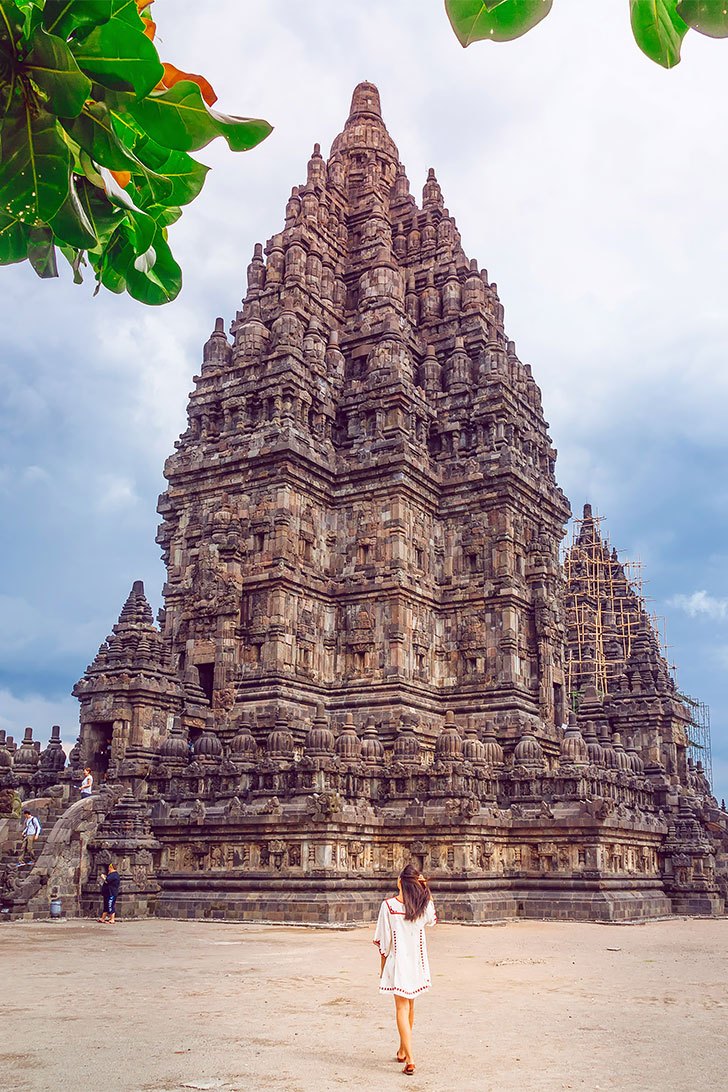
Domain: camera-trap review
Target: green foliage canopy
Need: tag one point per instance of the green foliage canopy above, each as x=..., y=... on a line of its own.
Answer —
x=95, y=135
x=659, y=26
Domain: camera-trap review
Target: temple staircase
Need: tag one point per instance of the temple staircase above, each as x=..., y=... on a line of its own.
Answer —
x=60, y=867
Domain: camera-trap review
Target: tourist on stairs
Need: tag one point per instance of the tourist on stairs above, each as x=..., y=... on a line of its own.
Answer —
x=31, y=832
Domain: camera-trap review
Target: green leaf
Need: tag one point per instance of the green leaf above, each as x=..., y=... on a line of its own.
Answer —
x=42, y=252
x=127, y=11
x=12, y=27
x=10, y=88
x=92, y=62
x=162, y=282
x=71, y=225
x=183, y=175
x=706, y=16
x=140, y=231
x=119, y=57
x=96, y=135
x=63, y=17
x=104, y=261
x=180, y=118
x=658, y=30
x=103, y=217
x=87, y=167
x=476, y=20
x=159, y=175
x=32, y=13
x=75, y=259
x=138, y=225
x=34, y=165
x=94, y=132
x=13, y=240
x=51, y=65
x=164, y=214
x=153, y=278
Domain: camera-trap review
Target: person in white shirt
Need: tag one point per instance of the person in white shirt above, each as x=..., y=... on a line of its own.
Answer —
x=400, y=937
x=31, y=830
x=88, y=782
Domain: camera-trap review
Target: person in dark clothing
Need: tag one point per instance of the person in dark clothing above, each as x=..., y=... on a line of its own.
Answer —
x=109, y=893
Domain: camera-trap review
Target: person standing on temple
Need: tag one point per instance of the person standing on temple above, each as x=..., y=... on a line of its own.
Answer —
x=31, y=832
x=400, y=937
x=109, y=894
x=88, y=782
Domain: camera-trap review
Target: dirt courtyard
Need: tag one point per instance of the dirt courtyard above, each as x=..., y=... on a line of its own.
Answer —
x=161, y=1006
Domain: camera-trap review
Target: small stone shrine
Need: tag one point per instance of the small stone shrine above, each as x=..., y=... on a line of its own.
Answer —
x=362, y=654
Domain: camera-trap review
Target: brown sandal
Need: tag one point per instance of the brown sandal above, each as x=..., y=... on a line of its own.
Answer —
x=400, y=1060
x=409, y=1069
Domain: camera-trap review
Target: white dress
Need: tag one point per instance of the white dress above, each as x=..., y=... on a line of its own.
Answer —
x=406, y=971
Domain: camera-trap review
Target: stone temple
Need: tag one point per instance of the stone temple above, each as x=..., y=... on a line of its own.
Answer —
x=362, y=656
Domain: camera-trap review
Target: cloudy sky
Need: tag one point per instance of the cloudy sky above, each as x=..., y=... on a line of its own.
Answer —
x=588, y=181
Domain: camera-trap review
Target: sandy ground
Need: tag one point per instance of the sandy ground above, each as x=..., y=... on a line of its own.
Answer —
x=158, y=1006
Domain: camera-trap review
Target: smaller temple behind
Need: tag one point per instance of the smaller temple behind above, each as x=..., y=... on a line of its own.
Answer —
x=616, y=674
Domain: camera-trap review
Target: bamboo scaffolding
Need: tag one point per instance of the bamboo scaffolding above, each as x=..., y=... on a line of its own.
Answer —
x=592, y=595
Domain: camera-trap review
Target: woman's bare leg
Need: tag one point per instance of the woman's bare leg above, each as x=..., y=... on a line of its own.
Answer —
x=401, y=1050
x=402, y=1053
x=403, y=1026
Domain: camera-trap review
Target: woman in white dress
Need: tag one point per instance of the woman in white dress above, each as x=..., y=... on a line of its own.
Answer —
x=400, y=937
x=88, y=783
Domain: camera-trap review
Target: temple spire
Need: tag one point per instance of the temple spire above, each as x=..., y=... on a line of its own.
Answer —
x=366, y=133
x=365, y=102
x=431, y=193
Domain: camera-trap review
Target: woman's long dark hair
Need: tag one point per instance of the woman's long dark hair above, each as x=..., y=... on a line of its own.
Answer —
x=415, y=892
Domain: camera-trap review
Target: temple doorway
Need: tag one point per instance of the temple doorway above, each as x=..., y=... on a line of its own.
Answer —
x=99, y=735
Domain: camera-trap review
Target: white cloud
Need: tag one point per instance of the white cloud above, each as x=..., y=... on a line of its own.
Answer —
x=36, y=474
x=700, y=603
x=39, y=712
x=156, y=380
x=115, y=493
x=25, y=626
